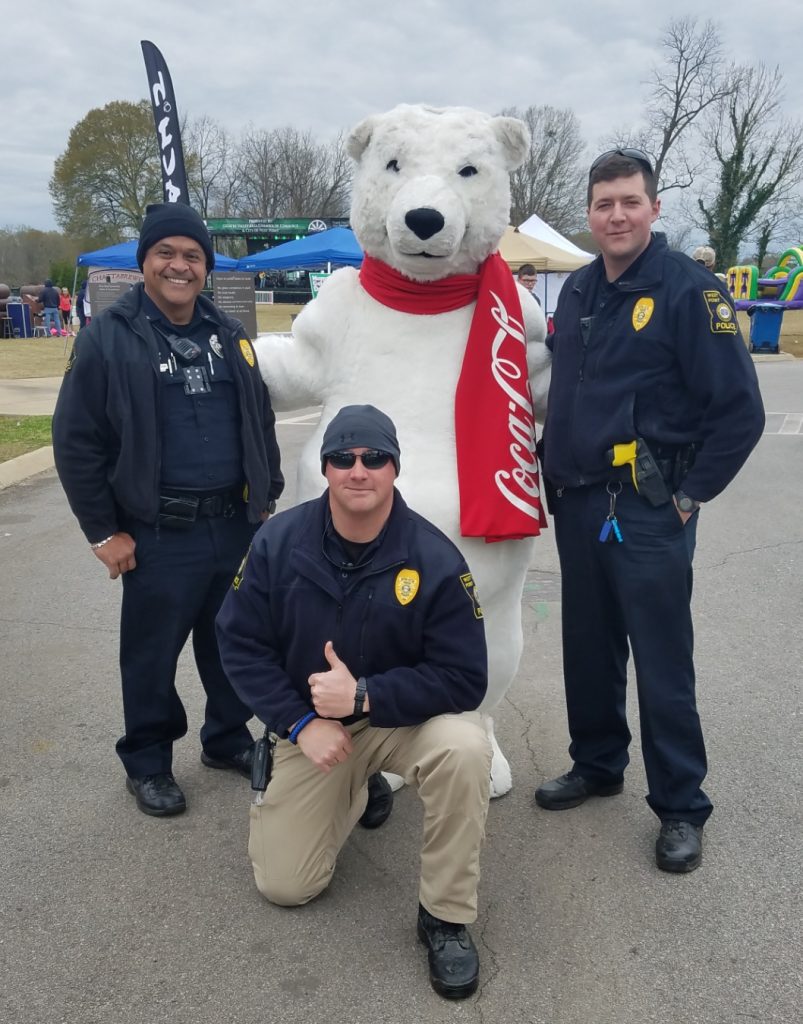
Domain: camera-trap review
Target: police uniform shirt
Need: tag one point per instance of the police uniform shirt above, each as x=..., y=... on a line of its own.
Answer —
x=200, y=415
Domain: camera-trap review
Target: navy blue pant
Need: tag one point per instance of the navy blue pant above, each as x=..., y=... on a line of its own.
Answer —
x=637, y=591
x=176, y=589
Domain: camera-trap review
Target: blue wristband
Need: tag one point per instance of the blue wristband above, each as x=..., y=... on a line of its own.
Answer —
x=293, y=737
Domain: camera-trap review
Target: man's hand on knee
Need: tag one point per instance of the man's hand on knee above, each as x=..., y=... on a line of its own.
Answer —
x=325, y=743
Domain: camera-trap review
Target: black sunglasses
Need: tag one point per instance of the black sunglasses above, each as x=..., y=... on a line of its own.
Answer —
x=372, y=459
x=631, y=154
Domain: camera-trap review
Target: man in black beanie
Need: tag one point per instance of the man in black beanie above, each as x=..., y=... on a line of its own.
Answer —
x=353, y=631
x=165, y=443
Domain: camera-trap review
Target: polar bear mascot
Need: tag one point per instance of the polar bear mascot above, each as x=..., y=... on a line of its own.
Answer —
x=434, y=330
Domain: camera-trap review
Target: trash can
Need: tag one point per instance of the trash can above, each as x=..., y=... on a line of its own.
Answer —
x=765, y=327
x=20, y=313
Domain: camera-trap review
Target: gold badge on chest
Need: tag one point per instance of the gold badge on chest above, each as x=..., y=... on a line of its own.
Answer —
x=642, y=311
x=406, y=586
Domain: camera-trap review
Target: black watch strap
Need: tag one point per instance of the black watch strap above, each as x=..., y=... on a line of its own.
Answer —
x=359, y=695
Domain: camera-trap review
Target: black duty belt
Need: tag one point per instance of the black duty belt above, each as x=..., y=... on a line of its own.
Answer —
x=180, y=509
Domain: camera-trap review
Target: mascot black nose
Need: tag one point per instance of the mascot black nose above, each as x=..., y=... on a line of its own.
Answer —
x=424, y=221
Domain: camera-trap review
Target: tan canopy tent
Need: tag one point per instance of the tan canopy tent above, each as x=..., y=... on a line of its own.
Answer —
x=517, y=248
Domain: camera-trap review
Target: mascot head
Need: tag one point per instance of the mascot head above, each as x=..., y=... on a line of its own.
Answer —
x=431, y=192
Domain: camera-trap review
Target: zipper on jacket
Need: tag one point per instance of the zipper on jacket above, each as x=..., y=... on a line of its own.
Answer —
x=364, y=626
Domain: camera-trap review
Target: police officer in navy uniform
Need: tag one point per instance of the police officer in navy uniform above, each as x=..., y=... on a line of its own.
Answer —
x=648, y=362
x=354, y=632
x=165, y=443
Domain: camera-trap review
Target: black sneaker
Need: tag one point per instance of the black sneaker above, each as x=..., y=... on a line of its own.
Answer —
x=159, y=795
x=571, y=790
x=679, y=846
x=380, y=802
x=240, y=762
x=454, y=963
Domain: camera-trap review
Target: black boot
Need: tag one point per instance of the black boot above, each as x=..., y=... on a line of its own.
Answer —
x=240, y=762
x=454, y=963
x=679, y=846
x=159, y=795
x=380, y=802
x=571, y=790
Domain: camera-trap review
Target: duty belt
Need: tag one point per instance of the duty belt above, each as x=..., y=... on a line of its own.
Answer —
x=180, y=509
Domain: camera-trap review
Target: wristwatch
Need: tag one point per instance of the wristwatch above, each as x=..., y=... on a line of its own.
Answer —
x=359, y=695
x=270, y=508
x=685, y=503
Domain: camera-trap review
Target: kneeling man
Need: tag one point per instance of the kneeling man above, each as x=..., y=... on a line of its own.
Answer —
x=353, y=631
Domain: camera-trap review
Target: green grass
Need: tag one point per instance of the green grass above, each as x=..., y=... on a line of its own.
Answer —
x=21, y=434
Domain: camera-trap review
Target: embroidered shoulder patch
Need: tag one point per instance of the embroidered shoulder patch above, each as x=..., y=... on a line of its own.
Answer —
x=723, y=318
x=247, y=351
x=406, y=585
x=238, y=579
x=470, y=588
x=642, y=311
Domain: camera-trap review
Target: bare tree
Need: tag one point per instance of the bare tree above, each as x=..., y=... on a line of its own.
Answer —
x=692, y=77
x=261, y=177
x=758, y=153
x=550, y=181
x=213, y=168
x=286, y=173
x=315, y=176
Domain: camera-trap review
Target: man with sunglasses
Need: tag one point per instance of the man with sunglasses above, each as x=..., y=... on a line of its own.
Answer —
x=353, y=631
x=653, y=408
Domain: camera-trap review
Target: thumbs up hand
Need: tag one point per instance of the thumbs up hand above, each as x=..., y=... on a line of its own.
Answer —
x=333, y=692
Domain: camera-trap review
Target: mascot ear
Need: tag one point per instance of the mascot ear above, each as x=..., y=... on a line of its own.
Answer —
x=360, y=136
x=514, y=135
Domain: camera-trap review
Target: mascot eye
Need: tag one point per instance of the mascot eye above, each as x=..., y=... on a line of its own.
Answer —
x=392, y=165
x=468, y=171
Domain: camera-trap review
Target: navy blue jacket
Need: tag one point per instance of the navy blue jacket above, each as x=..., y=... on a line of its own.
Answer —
x=422, y=651
x=106, y=439
x=663, y=359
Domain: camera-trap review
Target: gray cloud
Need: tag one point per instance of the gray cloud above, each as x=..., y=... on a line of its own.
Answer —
x=323, y=67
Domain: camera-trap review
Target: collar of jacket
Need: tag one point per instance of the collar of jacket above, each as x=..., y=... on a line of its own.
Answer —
x=308, y=557
x=645, y=272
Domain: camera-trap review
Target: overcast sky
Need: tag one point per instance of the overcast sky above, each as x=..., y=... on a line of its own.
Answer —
x=323, y=66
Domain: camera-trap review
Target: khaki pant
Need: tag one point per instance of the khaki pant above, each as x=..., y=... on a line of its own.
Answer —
x=307, y=815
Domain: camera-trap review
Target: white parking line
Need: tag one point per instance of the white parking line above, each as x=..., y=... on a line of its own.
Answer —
x=306, y=420
x=792, y=422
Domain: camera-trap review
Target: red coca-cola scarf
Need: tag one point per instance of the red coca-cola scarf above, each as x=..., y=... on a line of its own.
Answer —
x=497, y=469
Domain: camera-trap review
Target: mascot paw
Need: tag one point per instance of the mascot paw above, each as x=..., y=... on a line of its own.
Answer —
x=395, y=781
x=501, y=779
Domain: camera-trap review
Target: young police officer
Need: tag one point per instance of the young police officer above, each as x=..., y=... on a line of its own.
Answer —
x=165, y=444
x=353, y=631
x=651, y=385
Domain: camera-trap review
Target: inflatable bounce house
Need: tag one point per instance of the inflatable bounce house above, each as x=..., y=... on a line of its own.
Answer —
x=769, y=296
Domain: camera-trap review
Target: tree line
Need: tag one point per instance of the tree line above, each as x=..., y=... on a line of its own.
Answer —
x=717, y=133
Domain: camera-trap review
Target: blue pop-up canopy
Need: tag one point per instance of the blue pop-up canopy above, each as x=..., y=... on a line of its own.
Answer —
x=123, y=256
x=337, y=247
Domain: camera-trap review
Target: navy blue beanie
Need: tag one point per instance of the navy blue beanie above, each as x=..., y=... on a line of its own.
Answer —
x=163, y=220
x=360, y=426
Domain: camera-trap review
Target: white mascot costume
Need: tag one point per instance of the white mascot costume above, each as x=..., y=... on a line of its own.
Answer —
x=434, y=331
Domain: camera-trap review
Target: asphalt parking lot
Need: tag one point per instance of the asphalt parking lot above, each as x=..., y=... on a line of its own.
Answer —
x=110, y=917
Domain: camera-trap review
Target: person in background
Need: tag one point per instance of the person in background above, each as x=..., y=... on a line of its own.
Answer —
x=65, y=307
x=705, y=254
x=50, y=298
x=81, y=300
x=527, y=277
